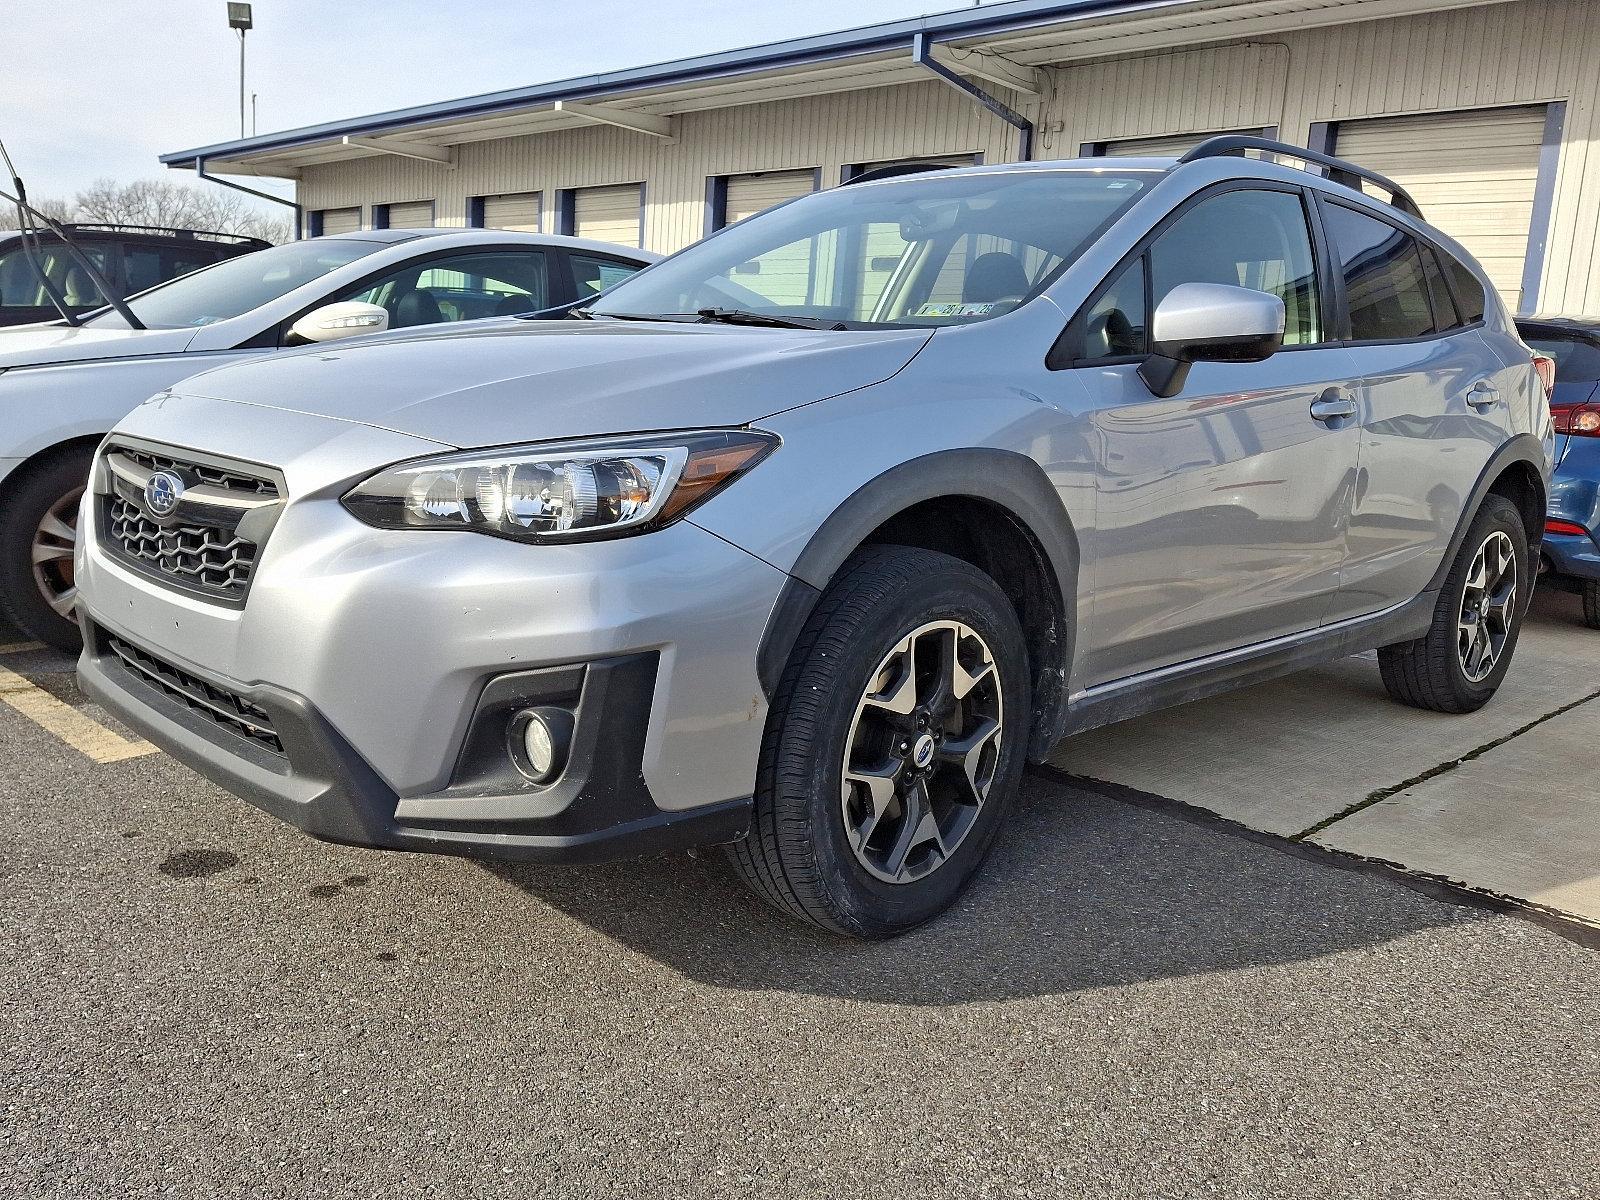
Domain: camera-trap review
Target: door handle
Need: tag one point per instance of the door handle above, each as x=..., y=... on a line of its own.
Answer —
x=1333, y=405
x=1483, y=396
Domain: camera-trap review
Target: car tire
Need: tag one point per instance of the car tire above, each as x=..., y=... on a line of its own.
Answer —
x=1458, y=665
x=40, y=510
x=854, y=855
x=1591, y=603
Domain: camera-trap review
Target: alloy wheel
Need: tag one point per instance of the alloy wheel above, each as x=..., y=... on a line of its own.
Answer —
x=53, y=543
x=922, y=752
x=1488, y=606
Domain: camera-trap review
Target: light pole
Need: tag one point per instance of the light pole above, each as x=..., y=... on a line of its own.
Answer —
x=239, y=18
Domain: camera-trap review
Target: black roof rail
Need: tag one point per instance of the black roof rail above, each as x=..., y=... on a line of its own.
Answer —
x=895, y=170
x=1339, y=170
x=164, y=231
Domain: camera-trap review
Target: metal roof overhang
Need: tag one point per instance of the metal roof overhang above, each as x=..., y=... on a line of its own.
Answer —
x=1028, y=32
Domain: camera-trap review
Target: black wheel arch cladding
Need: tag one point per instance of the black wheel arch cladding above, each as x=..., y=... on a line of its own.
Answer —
x=1039, y=547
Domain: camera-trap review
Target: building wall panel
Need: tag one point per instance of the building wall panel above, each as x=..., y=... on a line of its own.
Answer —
x=1520, y=52
x=830, y=132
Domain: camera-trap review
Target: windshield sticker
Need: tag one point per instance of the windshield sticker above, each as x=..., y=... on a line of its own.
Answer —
x=955, y=310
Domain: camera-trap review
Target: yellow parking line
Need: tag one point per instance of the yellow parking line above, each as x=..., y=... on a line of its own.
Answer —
x=83, y=734
x=19, y=647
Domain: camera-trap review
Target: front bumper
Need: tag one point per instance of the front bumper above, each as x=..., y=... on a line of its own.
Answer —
x=303, y=772
x=376, y=650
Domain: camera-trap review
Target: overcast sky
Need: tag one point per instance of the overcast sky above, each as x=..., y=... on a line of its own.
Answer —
x=99, y=88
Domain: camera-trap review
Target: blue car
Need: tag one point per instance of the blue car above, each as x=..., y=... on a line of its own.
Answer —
x=1572, y=523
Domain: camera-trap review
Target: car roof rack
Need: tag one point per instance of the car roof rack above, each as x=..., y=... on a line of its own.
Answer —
x=1339, y=170
x=163, y=231
x=895, y=170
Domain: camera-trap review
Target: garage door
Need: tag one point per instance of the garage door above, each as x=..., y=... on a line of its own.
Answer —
x=413, y=214
x=609, y=214
x=750, y=194
x=341, y=220
x=1473, y=173
x=519, y=211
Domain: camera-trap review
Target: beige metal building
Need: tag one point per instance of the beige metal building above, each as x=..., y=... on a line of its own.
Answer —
x=1484, y=109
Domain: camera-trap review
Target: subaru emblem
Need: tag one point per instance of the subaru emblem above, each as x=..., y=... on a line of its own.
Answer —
x=161, y=493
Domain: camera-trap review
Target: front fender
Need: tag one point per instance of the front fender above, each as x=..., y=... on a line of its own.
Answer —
x=1011, y=481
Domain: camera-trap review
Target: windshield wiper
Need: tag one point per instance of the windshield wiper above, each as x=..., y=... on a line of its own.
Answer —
x=616, y=316
x=740, y=316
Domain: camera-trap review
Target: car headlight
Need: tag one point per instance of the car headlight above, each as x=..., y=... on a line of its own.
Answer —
x=571, y=491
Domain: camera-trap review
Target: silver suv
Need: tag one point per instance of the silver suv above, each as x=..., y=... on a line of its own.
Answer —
x=808, y=538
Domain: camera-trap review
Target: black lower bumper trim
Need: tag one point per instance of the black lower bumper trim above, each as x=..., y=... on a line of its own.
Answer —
x=600, y=810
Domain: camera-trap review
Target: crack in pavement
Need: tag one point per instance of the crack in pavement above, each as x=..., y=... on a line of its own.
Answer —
x=1436, y=887
x=1443, y=768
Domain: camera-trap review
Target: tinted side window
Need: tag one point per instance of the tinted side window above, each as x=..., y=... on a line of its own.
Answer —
x=591, y=276
x=462, y=287
x=1253, y=239
x=1469, y=292
x=1383, y=277
x=143, y=266
x=1114, y=325
x=1444, y=312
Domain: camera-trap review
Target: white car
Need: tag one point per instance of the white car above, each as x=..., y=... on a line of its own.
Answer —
x=62, y=388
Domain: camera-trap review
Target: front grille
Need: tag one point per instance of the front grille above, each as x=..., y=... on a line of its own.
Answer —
x=200, y=546
x=200, y=555
x=221, y=707
x=203, y=472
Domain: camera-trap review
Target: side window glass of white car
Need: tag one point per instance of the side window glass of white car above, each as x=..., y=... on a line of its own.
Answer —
x=464, y=287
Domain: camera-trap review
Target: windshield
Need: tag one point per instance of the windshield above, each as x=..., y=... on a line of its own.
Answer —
x=1577, y=360
x=239, y=284
x=924, y=250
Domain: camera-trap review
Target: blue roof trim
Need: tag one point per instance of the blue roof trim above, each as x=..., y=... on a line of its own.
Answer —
x=867, y=39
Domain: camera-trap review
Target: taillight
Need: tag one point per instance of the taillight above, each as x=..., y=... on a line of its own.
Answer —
x=1565, y=527
x=1581, y=420
x=1545, y=368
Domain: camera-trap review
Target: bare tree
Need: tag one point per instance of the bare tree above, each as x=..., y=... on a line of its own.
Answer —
x=52, y=207
x=165, y=202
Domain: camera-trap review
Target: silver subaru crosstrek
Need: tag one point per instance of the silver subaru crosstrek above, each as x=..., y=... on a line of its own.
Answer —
x=807, y=539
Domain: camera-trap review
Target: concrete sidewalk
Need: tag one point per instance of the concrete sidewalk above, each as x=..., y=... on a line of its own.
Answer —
x=1504, y=801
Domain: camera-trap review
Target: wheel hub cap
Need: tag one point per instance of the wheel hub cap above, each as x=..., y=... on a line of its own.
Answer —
x=922, y=752
x=51, y=553
x=1488, y=607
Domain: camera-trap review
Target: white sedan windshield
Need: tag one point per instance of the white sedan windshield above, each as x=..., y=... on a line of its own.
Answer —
x=239, y=284
x=935, y=249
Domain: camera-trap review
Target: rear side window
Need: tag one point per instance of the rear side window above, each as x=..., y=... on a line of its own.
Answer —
x=1385, y=284
x=1469, y=292
x=591, y=275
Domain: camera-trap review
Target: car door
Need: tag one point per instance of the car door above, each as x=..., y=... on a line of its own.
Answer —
x=1432, y=409
x=1220, y=512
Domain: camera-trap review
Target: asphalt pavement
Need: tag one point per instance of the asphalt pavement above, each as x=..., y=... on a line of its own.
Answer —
x=201, y=1002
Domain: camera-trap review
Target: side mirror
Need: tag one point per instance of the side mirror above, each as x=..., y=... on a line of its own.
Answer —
x=1209, y=322
x=348, y=318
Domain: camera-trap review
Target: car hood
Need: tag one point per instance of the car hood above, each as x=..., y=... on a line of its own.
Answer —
x=42, y=345
x=540, y=381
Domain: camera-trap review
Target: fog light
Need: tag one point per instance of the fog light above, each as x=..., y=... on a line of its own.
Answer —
x=539, y=738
